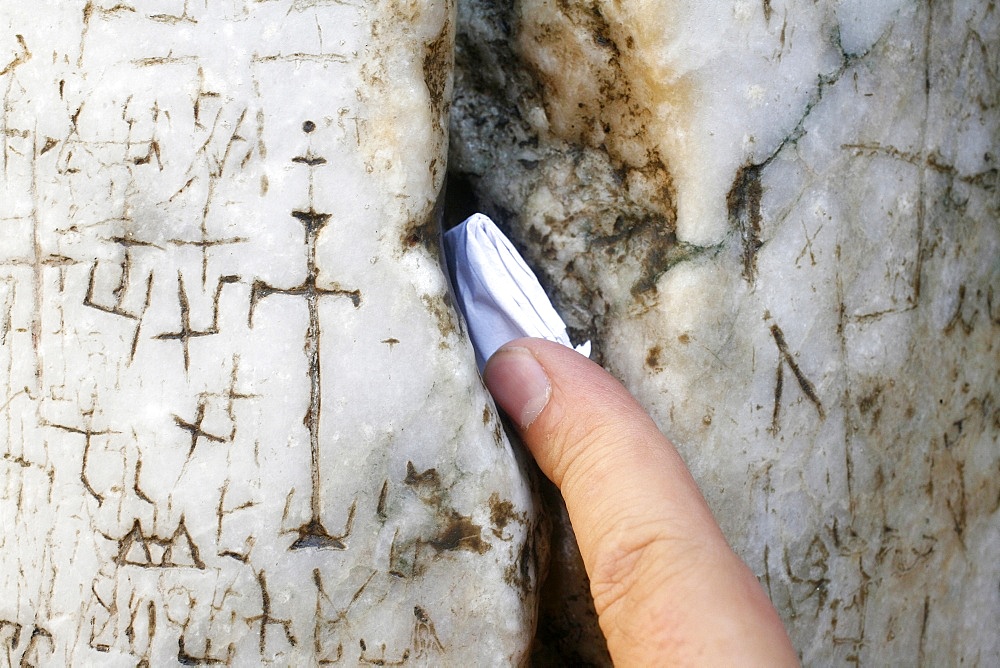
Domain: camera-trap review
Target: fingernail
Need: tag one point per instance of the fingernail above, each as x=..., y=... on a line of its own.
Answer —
x=518, y=383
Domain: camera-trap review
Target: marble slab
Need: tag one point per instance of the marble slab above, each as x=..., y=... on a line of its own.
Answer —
x=240, y=423
x=778, y=222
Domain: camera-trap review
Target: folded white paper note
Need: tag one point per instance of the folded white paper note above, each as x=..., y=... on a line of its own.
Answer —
x=498, y=293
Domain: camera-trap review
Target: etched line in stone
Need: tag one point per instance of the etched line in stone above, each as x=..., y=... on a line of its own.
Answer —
x=121, y=290
x=99, y=635
x=215, y=166
x=779, y=388
x=135, y=609
x=425, y=637
x=66, y=152
x=128, y=241
x=767, y=10
x=20, y=461
x=136, y=487
x=221, y=513
x=313, y=533
x=152, y=152
x=185, y=333
x=33, y=653
x=303, y=5
x=104, y=13
x=115, y=309
x=157, y=61
x=310, y=160
x=330, y=660
x=10, y=636
x=261, y=146
x=88, y=434
x=966, y=324
x=266, y=619
x=19, y=59
x=181, y=190
x=808, y=389
x=178, y=550
x=205, y=244
x=325, y=625
x=202, y=93
x=194, y=428
x=231, y=395
x=38, y=266
x=399, y=567
x=172, y=19
x=994, y=317
x=50, y=144
x=7, y=309
x=932, y=160
x=380, y=509
x=186, y=658
x=380, y=658
x=302, y=57
x=358, y=121
x=808, y=247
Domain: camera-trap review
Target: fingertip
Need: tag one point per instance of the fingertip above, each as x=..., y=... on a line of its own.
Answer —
x=647, y=537
x=518, y=383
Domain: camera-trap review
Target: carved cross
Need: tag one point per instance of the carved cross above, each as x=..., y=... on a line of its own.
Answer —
x=313, y=533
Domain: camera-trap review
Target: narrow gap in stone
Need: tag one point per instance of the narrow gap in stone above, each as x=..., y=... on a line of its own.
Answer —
x=460, y=200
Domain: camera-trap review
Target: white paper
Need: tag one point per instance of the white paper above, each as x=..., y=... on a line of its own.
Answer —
x=498, y=293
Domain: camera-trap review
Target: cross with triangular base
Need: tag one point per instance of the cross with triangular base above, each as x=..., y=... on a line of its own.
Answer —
x=313, y=533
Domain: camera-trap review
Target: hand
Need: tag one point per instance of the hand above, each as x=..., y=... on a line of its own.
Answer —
x=667, y=587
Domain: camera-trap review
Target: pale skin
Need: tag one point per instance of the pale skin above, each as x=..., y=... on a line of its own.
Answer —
x=667, y=587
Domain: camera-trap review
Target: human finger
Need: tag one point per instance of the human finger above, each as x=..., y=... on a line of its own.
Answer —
x=666, y=585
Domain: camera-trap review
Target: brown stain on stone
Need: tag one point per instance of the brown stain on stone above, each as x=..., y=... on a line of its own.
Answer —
x=453, y=531
x=502, y=513
x=597, y=145
x=426, y=234
x=380, y=127
x=598, y=93
x=442, y=309
x=653, y=360
x=459, y=532
x=437, y=66
x=868, y=404
x=649, y=241
x=609, y=101
x=520, y=575
x=428, y=479
x=743, y=202
x=424, y=231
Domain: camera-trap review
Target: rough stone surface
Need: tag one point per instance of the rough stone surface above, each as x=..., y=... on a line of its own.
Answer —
x=778, y=223
x=239, y=422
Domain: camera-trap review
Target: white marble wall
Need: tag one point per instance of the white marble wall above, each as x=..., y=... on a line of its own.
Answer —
x=239, y=423
x=779, y=223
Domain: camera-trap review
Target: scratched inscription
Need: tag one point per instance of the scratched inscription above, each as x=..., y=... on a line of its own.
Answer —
x=786, y=246
x=210, y=455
